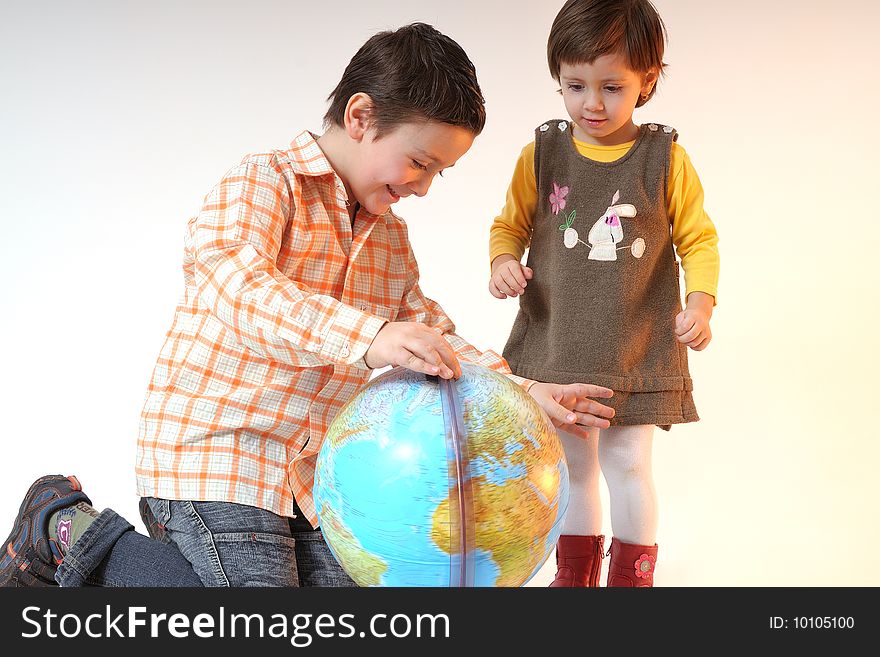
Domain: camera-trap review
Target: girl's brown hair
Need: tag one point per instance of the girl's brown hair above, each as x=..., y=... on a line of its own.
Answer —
x=584, y=30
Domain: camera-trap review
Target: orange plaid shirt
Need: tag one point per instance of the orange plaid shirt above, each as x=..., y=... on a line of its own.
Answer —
x=283, y=298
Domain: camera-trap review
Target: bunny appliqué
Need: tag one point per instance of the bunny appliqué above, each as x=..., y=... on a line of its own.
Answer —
x=605, y=234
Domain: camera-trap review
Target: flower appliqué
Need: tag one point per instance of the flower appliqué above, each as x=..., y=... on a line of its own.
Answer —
x=652, y=127
x=563, y=126
x=644, y=566
x=544, y=127
x=667, y=129
x=557, y=198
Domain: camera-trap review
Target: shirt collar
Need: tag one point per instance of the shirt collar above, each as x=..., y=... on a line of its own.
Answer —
x=307, y=158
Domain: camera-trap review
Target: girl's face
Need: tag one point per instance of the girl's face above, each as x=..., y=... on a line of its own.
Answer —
x=600, y=98
x=405, y=161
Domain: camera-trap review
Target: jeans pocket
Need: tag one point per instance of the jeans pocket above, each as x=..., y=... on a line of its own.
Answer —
x=315, y=562
x=257, y=559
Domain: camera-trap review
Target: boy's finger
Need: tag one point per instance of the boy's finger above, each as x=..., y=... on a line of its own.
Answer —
x=415, y=363
x=418, y=364
x=447, y=356
x=528, y=273
x=432, y=356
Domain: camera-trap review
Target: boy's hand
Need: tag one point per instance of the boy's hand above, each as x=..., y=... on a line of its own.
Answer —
x=509, y=277
x=416, y=347
x=692, y=323
x=569, y=406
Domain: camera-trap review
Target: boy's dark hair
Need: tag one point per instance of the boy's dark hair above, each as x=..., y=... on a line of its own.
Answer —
x=414, y=73
x=584, y=30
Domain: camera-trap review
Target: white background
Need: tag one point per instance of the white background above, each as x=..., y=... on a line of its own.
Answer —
x=116, y=118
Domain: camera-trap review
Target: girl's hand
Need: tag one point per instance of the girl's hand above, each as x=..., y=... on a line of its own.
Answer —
x=569, y=406
x=692, y=323
x=509, y=277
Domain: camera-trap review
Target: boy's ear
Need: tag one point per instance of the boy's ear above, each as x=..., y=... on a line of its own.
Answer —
x=358, y=112
x=649, y=81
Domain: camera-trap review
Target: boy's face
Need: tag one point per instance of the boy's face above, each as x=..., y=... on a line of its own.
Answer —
x=404, y=161
x=600, y=98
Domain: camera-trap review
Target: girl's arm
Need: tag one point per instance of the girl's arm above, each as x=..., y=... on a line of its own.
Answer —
x=693, y=233
x=696, y=243
x=511, y=231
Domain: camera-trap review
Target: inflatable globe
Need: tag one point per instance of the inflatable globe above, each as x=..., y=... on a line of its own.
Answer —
x=422, y=481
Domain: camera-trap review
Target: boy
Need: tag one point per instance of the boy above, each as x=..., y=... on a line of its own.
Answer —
x=299, y=282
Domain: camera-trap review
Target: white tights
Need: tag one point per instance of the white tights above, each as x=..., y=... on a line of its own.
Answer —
x=623, y=455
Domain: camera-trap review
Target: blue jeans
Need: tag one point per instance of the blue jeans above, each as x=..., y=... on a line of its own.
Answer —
x=201, y=544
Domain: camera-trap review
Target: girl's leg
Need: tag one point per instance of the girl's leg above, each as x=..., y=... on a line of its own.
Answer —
x=625, y=457
x=580, y=547
x=584, y=516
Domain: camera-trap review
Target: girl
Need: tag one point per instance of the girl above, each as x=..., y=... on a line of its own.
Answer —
x=600, y=202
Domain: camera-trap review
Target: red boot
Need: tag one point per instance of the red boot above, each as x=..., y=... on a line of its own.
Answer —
x=578, y=561
x=631, y=565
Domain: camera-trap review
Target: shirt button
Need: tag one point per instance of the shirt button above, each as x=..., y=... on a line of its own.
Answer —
x=364, y=307
x=344, y=351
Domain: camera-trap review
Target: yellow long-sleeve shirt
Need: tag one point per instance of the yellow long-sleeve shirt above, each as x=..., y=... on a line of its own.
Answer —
x=693, y=233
